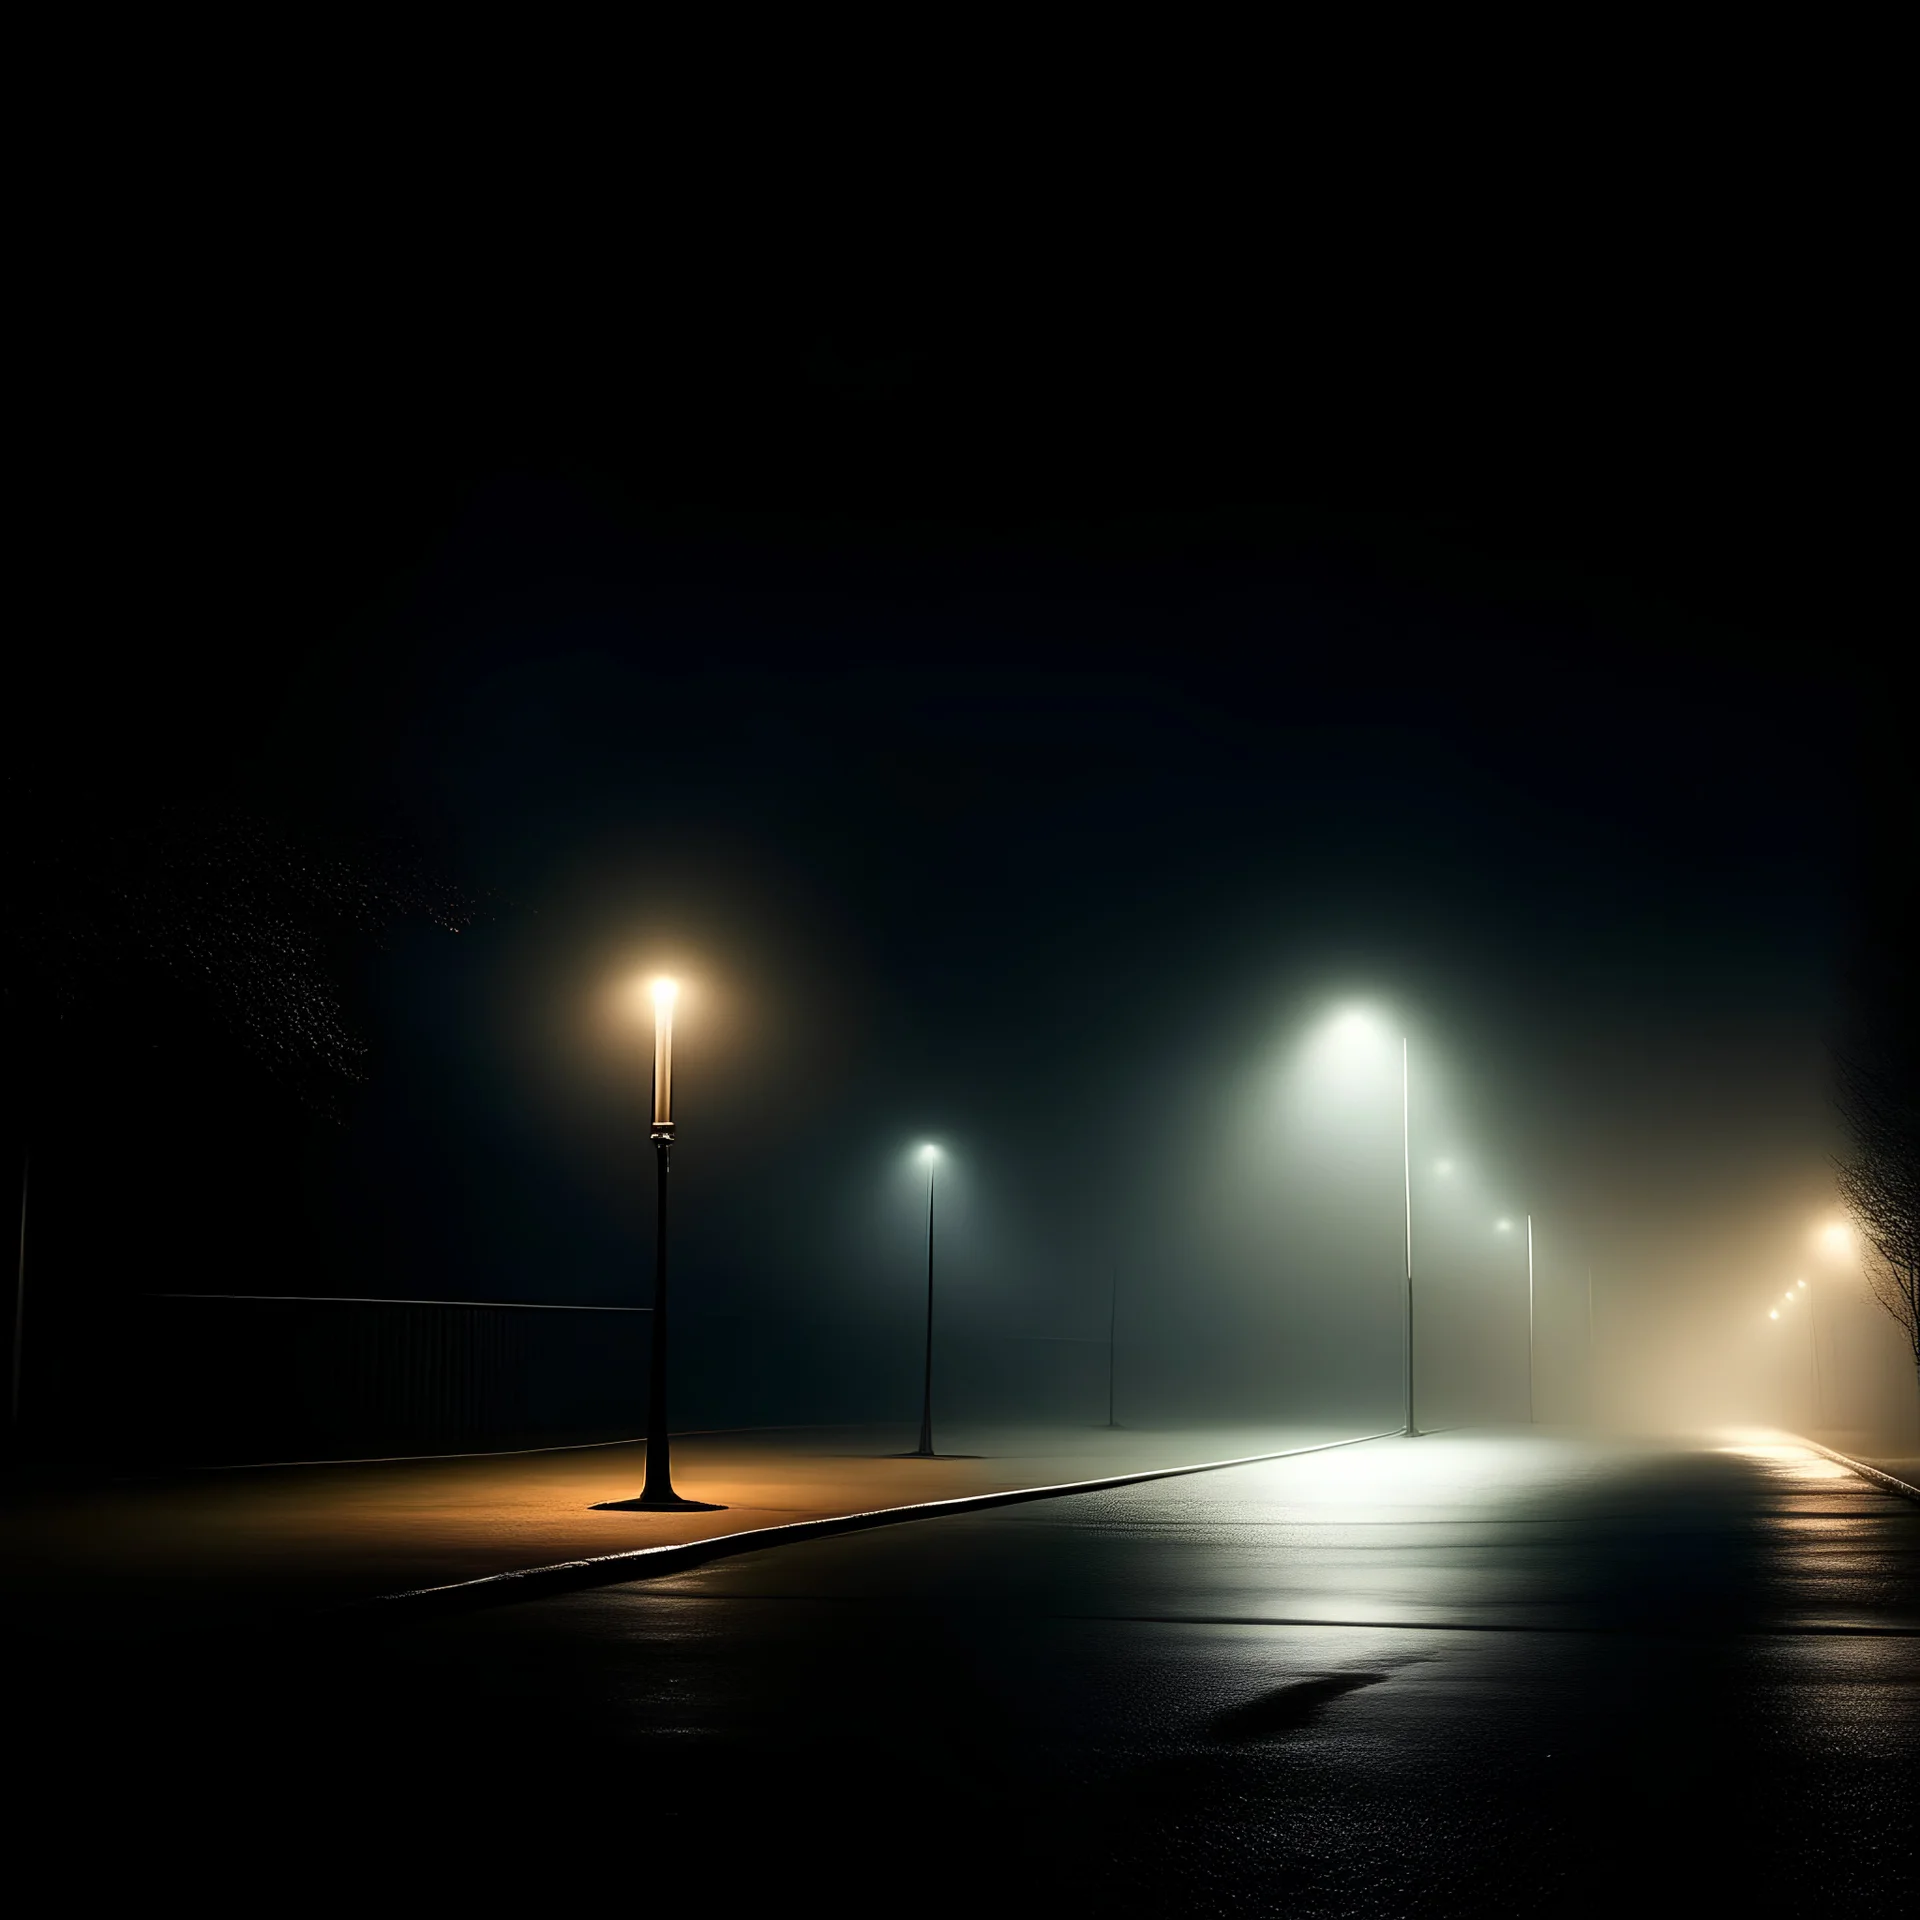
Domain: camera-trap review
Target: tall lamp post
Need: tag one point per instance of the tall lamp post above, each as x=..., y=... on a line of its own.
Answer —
x=1593, y=1375
x=1506, y=1226
x=1406, y=1173
x=1795, y=1295
x=1532, y=1418
x=1358, y=1037
x=1113, y=1320
x=930, y=1156
x=658, y=1496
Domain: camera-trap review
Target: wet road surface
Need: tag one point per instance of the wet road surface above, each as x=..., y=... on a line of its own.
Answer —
x=1471, y=1674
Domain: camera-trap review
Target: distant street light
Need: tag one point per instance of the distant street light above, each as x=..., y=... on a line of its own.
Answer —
x=1592, y=1370
x=1531, y=1416
x=1406, y=1175
x=930, y=1158
x=1362, y=1030
x=1113, y=1321
x=658, y=1496
x=1504, y=1225
x=1796, y=1294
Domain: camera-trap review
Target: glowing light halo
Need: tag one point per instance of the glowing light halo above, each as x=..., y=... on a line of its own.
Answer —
x=1356, y=1019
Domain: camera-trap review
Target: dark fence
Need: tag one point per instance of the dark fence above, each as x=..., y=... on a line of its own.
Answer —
x=234, y=1378
x=224, y=1379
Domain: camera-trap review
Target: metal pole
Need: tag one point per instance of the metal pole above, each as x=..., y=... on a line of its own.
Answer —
x=1530, y=1414
x=659, y=1487
x=1592, y=1370
x=658, y=1492
x=1406, y=1170
x=925, y=1449
x=1113, y=1310
x=20, y=1291
x=1819, y=1384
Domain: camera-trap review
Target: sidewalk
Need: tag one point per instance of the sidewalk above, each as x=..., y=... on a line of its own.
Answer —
x=1891, y=1453
x=235, y=1546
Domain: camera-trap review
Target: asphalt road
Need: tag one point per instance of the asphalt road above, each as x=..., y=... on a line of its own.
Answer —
x=1472, y=1674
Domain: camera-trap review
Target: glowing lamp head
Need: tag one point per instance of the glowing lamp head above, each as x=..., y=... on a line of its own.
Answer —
x=1801, y=1284
x=1503, y=1226
x=1773, y=1313
x=1356, y=1031
x=928, y=1154
x=1835, y=1239
x=665, y=992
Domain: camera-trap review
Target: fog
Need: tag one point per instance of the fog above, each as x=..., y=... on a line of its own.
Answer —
x=1072, y=861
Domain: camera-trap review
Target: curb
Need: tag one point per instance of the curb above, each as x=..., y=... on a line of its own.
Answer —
x=1879, y=1478
x=650, y=1563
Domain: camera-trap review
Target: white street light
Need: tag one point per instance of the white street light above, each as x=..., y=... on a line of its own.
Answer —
x=1406, y=1168
x=1531, y=1416
x=1362, y=1030
x=929, y=1157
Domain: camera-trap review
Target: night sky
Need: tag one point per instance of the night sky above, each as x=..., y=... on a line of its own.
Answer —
x=1018, y=720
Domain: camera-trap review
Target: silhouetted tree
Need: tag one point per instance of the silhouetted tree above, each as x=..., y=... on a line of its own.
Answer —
x=1877, y=1055
x=217, y=916
x=194, y=920
x=1879, y=1184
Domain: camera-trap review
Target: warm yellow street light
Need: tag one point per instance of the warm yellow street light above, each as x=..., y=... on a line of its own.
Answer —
x=658, y=1496
x=665, y=993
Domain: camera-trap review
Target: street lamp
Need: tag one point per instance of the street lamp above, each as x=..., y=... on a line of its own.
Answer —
x=1504, y=1225
x=1113, y=1321
x=1793, y=1296
x=929, y=1158
x=658, y=1496
x=1406, y=1178
x=1352, y=1036
x=1801, y=1291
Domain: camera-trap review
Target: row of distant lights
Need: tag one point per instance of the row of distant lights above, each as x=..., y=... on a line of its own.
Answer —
x=1445, y=1167
x=1834, y=1238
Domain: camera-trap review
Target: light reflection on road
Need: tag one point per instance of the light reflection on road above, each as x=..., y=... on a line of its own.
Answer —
x=1456, y=1674
x=1476, y=1673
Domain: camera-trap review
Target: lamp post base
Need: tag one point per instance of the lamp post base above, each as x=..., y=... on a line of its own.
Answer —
x=671, y=1504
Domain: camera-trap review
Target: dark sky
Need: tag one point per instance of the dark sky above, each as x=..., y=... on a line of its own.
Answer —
x=1019, y=705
